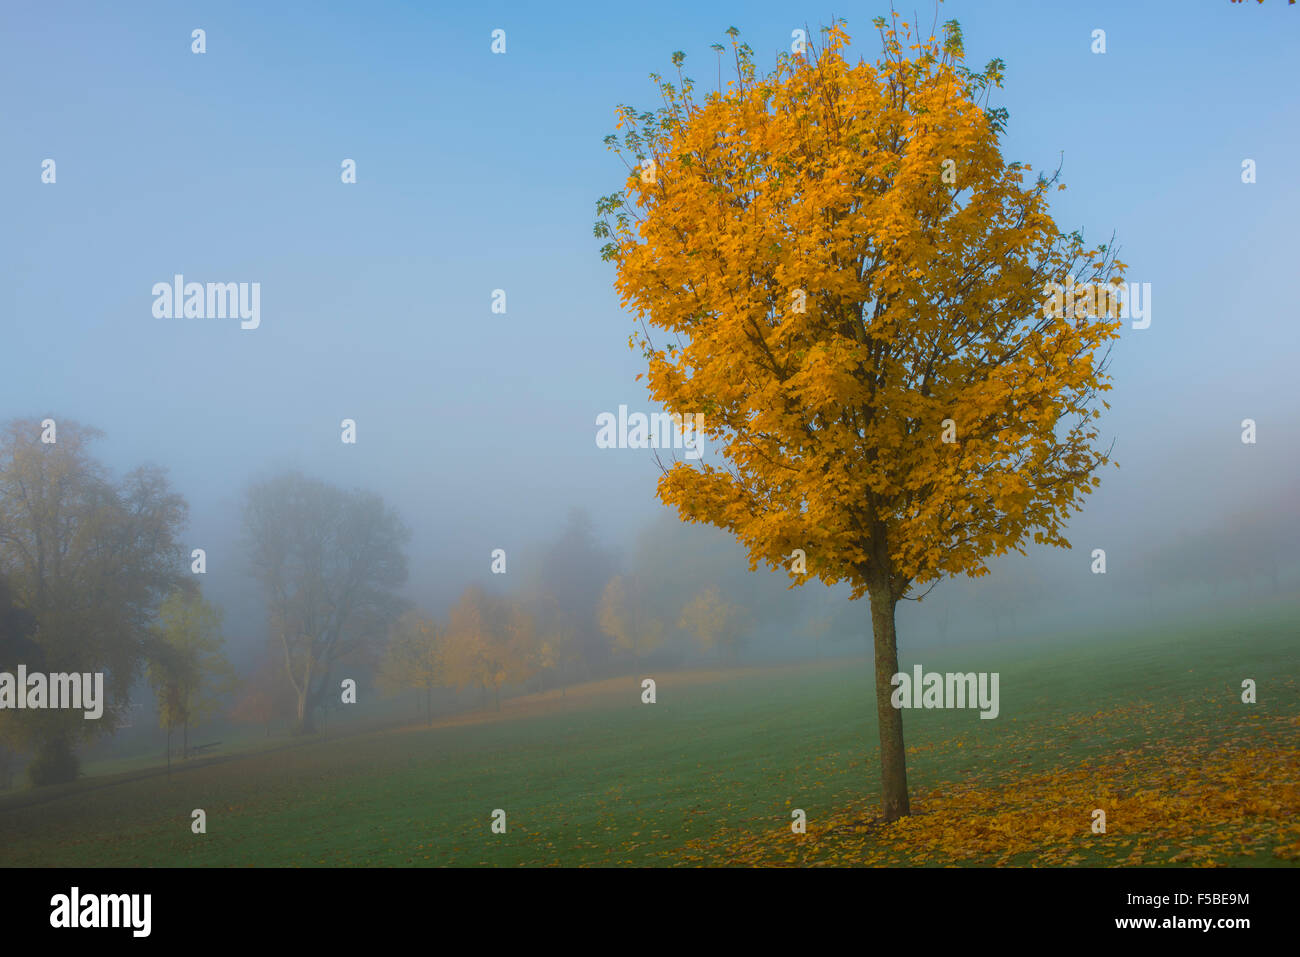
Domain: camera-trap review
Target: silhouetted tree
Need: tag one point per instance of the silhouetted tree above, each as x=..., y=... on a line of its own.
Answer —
x=328, y=561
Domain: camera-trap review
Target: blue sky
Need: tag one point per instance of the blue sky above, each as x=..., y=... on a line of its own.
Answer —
x=479, y=171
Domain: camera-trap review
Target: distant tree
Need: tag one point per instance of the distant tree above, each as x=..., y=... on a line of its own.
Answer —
x=328, y=561
x=624, y=617
x=16, y=647
x=17, y=625
x=413, y=658
x=573, y=569
x=187, y=670
x=713, y=622
x=90, y=559
x=472, y=658
x=558, y=651
x=168, y=673
x=523, y=643
x=490, y=643
x=671, y=558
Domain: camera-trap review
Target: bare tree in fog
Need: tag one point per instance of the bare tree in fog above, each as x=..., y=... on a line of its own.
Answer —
x=328, y=561
x=573, y=572
x=413, y=658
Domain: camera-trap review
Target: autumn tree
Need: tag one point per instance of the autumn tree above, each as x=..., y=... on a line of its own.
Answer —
x=328, y=561
x=89, y=558
x=836, y=265
x=413, y=658
x=187, y=669
x=490, y=643
x=522, y=642
x=713, y=622
x=625, y=618
x=671, y=559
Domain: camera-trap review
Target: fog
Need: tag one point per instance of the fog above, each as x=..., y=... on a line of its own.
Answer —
x=478, y=426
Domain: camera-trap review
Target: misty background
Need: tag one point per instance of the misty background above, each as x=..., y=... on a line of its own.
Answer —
x=478, y=172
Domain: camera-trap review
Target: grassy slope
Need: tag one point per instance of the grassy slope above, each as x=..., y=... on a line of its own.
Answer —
x=596, y=777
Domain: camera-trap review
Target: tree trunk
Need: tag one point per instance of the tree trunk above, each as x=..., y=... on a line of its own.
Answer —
x=306, y=701
x=306, y=716
x=893, y=758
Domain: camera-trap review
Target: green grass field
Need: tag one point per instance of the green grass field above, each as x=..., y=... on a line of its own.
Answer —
x=710, y=773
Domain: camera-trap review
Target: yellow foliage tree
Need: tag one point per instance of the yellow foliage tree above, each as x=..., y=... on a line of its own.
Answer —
x=836, y=265
x=623, y=618
x=413, y=658
x=713, y=622
x=491, y=642
x=187, y=668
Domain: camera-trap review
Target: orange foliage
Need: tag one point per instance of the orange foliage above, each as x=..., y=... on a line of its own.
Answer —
x=805, y=275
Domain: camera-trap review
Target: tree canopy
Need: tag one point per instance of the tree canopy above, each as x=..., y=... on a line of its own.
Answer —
x=89, y=558
x=328, y=561
x=836, y=264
